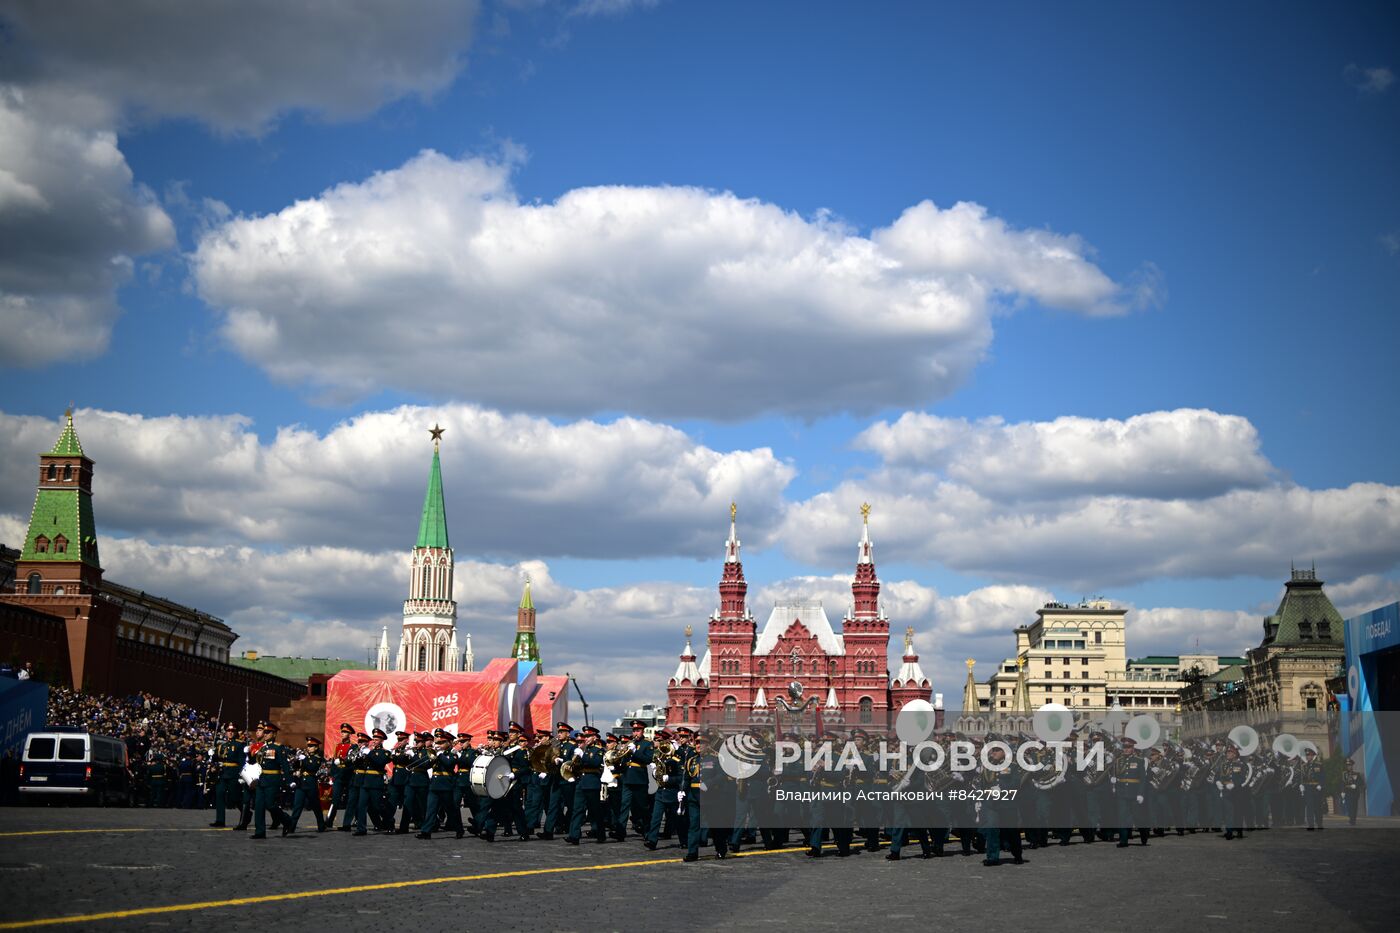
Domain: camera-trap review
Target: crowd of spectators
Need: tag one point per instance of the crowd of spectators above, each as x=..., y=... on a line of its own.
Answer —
x=167, y=743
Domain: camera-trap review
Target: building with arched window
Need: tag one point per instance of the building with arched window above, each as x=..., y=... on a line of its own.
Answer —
x=747, y=673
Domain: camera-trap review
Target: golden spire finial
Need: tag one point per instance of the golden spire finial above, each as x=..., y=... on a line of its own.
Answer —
x=865, y=512
x=436, y=433
x=68, y=413
x=970, y=665
x=1021, y=662
x=733, y=510
x=909, y=639
x=688, y=631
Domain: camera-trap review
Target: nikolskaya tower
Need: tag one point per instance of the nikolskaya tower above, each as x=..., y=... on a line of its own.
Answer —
x=429, y=638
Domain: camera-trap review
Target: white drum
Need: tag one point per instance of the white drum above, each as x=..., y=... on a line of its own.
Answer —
x=491, y=776
x=250, y=773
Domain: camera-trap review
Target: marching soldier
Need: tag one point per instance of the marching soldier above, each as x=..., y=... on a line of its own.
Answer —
x=669, y=781
x=354, y=779
x=340, y=773
x=228, y=762
x=466, y=797
x=688, y=797
x=306, y=769
x=272, y=757
x=250, y=756
x=1130, y=789
x=440, y=789
x=1353, y=787
x=635, y=805
x=996, y=781
x=1310, y=785
x=561, y=792
x=517, y=752
x=396, y=786
x=371, y=766
x=588, y=765
x=498, y=811
x=1233, y=785
x=157, y=772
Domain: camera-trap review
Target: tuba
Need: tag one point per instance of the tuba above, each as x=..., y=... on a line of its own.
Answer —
x=661, y=760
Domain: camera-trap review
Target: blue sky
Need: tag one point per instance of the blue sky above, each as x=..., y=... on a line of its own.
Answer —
x=1225, y=175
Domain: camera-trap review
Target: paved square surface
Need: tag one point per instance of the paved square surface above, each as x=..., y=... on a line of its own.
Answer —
x=60, y=862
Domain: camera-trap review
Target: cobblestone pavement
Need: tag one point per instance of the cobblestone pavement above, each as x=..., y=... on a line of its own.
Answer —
x=59, y=862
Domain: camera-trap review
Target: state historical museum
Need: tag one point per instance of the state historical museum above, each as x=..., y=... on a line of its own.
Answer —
x=840, y=679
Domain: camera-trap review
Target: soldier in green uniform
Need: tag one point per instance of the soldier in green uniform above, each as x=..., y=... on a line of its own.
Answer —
x=517, y=752
x=354, y=779
x=588, y=766
x=688, y=798
x=561, y=792
x=396, y=785
x=634, y=804
x=228, y=760
x=1310, y=785
x=416, y=761
x=272, y=757
x=157, y=775
x=466, y=797
x=1130, y=790
x=993, y=782
x=306, y=768
x=371, y=768
x=441, y=785
x=1353, y=787
x=669, y=780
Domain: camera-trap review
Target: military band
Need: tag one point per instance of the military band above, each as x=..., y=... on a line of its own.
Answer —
x=673, y=785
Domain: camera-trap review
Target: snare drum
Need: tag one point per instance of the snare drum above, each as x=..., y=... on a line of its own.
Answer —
x=250, y=773
x=491, y=776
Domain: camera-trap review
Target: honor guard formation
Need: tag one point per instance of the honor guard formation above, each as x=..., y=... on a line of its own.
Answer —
x=575, y=784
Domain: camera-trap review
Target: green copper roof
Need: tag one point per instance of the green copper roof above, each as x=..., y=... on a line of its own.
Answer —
x=68, y=444
x=525, y=601
x=62, y=514
x=298, y=669
x=1305, y=617
x=432, y=528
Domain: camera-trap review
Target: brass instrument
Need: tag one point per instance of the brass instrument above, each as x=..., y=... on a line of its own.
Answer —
x=1096, y=778
x=569, y=770
x=662, y=760
x=542, y=758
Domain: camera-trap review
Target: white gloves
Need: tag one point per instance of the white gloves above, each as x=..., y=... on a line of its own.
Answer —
x=558, y=761
x=1113, y=780
x=680, y=796
x=578, y=753
x=702, y=786
x=1139, y=798
x=1219, y=785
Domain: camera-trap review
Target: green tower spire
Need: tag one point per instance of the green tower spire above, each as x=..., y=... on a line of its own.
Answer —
x=432, y=527
x=526, y=648
x=61, y=527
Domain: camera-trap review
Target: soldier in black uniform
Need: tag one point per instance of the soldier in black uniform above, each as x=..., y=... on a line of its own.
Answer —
x=1131, y=789
x=306, y=768
x=441, y=786
x=1310, y=783
x=228, y=760
x=1233, y=783
x=1353, y=787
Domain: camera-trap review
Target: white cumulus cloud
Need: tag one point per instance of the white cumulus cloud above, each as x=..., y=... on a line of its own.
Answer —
x=1186, y=453
x=514, y=484
x=662, y=301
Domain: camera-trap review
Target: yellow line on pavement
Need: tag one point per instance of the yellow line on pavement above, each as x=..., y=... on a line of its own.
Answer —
x=299, y=895
x=64, y=832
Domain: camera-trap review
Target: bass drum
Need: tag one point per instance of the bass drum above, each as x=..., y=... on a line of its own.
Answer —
x=491, y=776
x=250, y=773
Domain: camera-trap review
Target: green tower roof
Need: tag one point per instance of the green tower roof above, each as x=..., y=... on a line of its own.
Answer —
x=68, y=444
x=61, y=527
x=432, y=527
x=525, y=601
